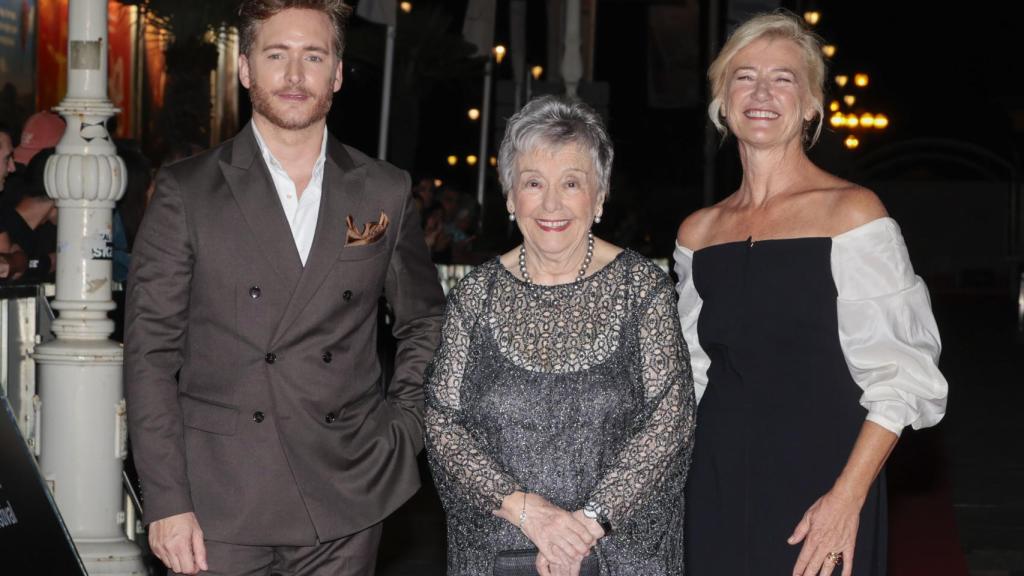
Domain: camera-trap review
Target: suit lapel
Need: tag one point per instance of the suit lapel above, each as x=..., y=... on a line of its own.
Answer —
x=342, y=194
x=254, y=192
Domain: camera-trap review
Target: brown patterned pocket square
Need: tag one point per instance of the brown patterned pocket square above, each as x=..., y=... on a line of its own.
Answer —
x=371, y=232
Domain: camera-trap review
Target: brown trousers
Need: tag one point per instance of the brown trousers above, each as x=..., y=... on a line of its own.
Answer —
x=354, y=555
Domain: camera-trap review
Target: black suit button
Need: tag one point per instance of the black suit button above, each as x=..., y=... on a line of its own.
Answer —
x=327, y=356
x=346, y=295
x=330, y=418
x=270, y=357
x=257, y=417
x=255, y=292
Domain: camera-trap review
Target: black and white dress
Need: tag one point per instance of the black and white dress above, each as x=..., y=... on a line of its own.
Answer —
x=577, y=392
x=794, y=343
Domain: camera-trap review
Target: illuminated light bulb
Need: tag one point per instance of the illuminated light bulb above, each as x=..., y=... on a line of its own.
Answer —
x=842, y=79
x=851, y=142
x=471, y=160
x=860, y=79
x=453, y=160
x=474, y=114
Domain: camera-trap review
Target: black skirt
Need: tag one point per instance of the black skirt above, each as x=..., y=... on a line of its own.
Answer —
x=780, y=414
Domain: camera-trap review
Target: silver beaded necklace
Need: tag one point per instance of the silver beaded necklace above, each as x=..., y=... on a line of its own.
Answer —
x=583, y=268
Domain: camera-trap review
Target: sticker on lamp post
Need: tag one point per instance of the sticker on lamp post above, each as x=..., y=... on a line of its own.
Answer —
x=99, y=247
x=85, y=54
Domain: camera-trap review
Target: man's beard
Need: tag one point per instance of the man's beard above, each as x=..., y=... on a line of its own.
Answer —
x=263, y=104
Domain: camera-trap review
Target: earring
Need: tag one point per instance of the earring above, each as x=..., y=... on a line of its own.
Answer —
x=511, y=216
x=597, y=219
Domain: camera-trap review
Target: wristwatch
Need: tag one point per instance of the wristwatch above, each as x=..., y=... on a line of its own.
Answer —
x=599, y=514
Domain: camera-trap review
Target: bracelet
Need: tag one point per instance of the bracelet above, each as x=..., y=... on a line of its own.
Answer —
x=522, y=514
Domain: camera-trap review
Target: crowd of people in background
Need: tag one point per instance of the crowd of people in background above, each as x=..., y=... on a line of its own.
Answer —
x=28, y=215
x=450, y=220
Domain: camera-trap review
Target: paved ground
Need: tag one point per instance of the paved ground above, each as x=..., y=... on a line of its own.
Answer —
x=984, y=431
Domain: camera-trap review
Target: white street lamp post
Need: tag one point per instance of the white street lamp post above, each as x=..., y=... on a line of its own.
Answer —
x=572, y=58
x=82, y=441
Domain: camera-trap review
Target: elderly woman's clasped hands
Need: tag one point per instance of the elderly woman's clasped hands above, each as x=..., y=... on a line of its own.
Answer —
x=563, y=538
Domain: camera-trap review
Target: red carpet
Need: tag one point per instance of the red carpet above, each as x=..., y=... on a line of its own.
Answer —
x=923, y=540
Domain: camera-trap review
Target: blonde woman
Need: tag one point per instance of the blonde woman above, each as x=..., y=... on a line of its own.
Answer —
x=813, y=343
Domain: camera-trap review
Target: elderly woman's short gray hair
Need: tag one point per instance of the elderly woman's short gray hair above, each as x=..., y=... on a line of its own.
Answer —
x=554, y=121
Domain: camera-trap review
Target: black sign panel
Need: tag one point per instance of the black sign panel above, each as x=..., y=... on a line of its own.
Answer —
x=33, y=538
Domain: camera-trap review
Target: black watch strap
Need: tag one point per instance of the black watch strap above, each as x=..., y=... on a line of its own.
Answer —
x=599, y=514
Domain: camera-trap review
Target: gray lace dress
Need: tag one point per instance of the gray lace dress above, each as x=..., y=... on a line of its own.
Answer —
x=577, y=392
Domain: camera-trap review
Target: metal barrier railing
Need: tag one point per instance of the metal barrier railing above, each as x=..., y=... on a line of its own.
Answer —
x=25, y=318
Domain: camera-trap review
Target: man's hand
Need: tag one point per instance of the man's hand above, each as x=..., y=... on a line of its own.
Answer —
x=13, y=263
x=178, y=542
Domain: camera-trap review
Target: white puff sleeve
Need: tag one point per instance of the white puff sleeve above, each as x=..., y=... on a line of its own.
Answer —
x=690, y=304
x=886, y=328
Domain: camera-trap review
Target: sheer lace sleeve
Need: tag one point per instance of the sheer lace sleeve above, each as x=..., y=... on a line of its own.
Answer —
x=886, y=328
x=657, y=454
x=462, y=469
x=690, y=304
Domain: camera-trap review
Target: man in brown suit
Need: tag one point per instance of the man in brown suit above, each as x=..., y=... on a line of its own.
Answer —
x=259, y=430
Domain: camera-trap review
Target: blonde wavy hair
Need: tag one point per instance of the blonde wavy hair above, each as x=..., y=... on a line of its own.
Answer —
x=784, y=25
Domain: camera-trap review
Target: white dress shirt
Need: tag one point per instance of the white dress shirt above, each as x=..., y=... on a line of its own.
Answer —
x=886, y=327
x=301, y=210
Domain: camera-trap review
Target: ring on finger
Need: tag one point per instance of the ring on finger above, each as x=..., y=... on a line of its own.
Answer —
x=836, y=558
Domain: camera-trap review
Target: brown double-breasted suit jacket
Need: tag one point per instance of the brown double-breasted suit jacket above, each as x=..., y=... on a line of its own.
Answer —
x=253, y=381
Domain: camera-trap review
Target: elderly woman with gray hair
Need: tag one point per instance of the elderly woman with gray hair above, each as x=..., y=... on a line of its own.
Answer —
x=560, y=406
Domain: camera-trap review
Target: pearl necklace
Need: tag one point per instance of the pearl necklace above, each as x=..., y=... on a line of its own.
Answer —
x=583, y=268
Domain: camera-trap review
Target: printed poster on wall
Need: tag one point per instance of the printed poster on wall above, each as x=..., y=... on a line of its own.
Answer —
x=17, y=60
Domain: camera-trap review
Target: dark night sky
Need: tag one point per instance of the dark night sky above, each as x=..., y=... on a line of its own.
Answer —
x=938, y=73
x=943, y=72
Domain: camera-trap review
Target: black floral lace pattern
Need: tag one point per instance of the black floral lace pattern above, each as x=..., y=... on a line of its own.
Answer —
x=578, y=392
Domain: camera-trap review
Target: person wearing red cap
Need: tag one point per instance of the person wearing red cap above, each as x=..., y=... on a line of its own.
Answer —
x=42, y=130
